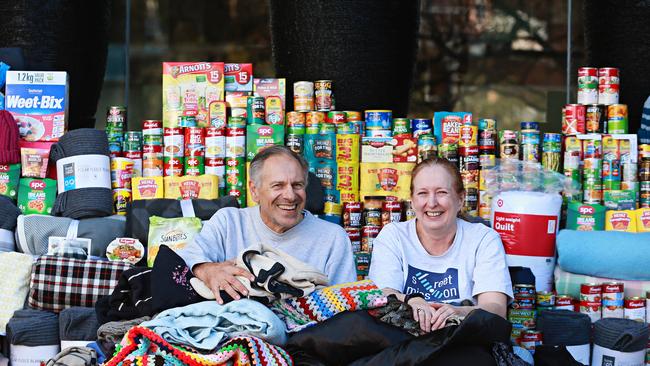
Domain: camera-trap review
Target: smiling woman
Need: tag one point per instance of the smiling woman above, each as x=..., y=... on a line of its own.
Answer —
x=437, y=260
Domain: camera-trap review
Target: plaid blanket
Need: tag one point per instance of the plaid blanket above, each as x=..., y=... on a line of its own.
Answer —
x=320, y=305
x=58, y=283
x=569, y=283
x=141, y=346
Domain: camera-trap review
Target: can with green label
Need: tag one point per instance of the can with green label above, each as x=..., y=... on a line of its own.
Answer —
x=239, y=122
x=401, y=126
x=186, y=121
x=194, y=165
x=235, y=172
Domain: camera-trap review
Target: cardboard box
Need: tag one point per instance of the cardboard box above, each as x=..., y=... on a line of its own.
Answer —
x=405, y=149
x=238, y=77
x=191, y=187
x=446, y=126
x=266, y=87
x=260, y=136
x=376, y=150
x=386, y=179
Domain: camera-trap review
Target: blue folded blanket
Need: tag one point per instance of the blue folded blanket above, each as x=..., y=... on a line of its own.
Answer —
x=611, y=254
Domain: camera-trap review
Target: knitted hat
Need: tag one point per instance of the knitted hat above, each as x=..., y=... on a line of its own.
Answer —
x=9, y=136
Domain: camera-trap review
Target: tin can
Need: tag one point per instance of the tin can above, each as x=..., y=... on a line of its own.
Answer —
x=121, y=173
x=487, y=142
x=421, y=126
x=255, y=110
x=235, y=142
x=591, y=292
x=351, y=116
x=530, y=339
x=187, y=121
x=644, y=194
x=611, y=174
x=374, y=132
x=644, y=171
x=235, y=172
x=303, y=96
x=323, y=95
x=484, y=205
x=372, y=216
x=335, y=117
x=486, y=160
x=121, y=199
x=468, y=161
x=314, y=118
x=352, y=214
x=529, y=126
x=613, y=300
x=391, y=211
x=362, y=262
x=449, y=152
x=592, y=149
x=354, y=234
x=173, y=166
x=379, y=119
x=468, y=136
x=530, y=152
x=216, y=166
x=587, y=85
x=635, y=308
x=153, y=140
x=215, y=142
x=608, y=85
x=132, y=141
x=551, y=151
x=194, y=165
x=174, y=142
x=327, y=128
x=295, y=119
x=194, y=141
x=592, y=309
x=116, y=114
x=647, y=307
x=236, y=122
x=617, y=118
x=470, y=202
x=345, y=129
x=239, y=193
x=401, y=126
x=152, y=164
x=545, y=298
x=368, y=235
x=295, y=142
x=563, y=302
x=522, y=319
x=595, y=118
x=573, y=119
x=509, y=144
x=487, y=124
x=409, y=212
x=524, y=302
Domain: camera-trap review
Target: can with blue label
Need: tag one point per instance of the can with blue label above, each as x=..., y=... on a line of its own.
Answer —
x=421, y=126
x=379, y=119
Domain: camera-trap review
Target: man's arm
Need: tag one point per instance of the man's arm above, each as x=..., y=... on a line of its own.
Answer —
x=340, y=266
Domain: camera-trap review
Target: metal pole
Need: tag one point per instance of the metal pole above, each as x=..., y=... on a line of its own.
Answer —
x=127, y=42
x=568, y=51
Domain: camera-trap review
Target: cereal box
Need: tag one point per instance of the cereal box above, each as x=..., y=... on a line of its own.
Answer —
x=643, y=220
x=386, y=179
x=189, y=88
x=238, y=77
x=446, y=125
x=38, y=100
x=624, y=220
x=266, y=87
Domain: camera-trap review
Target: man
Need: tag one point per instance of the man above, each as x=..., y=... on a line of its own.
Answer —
x=277, y=185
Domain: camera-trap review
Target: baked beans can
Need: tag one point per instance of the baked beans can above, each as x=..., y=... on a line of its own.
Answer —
x=595, y=118
x=509, y=144
x=194, y=165
x=335, y=117
x=402, y=126
x=295, y=142
x=173, y=166
x=354, y=234
x=121, y=199
x=352, y=116
x=314, y=118
x=362, y=262
x=303, y=96
x=239, y=193
x=587, y=85
x=591, y=292
x=174, y=142
x=617, y=121
x=255, y=110
x=235, y=172
x=524, y=302
x=563, y=302
x=421, y=126
x=352, y=214
x=215, y=142
x=323, y=95
x=530, y=339
x=409, y=212
x=592, y=309
x=608, y=85
x=379, y=119
x=372, y=216
x=449, y=152
x=391, y=211
x=368, y=235
x=295, y=119
x=468, y=136
x=545, y=299
x=573, y=119
x=634, y=309
x=613, y=300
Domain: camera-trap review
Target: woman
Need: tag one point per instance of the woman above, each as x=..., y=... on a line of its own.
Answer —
x=438, y=258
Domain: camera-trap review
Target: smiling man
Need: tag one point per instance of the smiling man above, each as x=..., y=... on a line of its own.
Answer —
x=278, y=182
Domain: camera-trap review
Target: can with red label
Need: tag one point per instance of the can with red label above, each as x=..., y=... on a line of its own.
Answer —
x=613, y=300
x=523, y=289
x=235, y=142
x=194, y=141
x=336, y=117
x=530, y=339
x=608, y=85
x=391, y=211
x=592, y=309
x=215, y=142
x=563, y=302
x=174, y=142
x=323, y=95
x=635, y=308
x=354, y=233
x=573, y=119
x=352, y=212
x=216, y=166
x=368, y=235
x=173, y=166
x=591, y=292
x=587, y=85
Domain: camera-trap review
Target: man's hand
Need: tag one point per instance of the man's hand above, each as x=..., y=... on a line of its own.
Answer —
x=221, y=276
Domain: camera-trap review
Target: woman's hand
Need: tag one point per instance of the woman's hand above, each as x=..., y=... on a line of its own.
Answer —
x=422, y=312
x=442, y=312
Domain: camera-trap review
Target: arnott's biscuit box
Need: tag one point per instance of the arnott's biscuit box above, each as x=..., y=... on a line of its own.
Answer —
x=38, y=100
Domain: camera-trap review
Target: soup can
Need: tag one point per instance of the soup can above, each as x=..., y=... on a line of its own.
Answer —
x=368, y=235
x=354, y=234
x=591, y=292
x=391, y=211
x=635, y=308
x=587, y=85
x=303, y=96
x=595, y=118
x=352, y=214
x=613, y=300
x=563, y=302
x=323, y=95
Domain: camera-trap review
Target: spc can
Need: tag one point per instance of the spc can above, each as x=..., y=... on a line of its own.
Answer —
x=391, y=211
x=235, y=172
x=379, y=119
x=352, y=214
x=194, y=165
x=421, y=126
x=303, y=96
x=323, y=95
x=354, y=234
x=613, y=300
x=173, y=166
x=635, y=308
x=563, y=302
x=368, y=235
x=335, y=117
x=617, y=121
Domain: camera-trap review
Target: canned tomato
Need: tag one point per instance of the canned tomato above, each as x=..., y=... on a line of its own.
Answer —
x=351, y=116
x=449, y=152
x=295, y=119
x=509, y=144
x=372, y=216
x=303, y=96
x=409, y=212
x=335, y=117
x=573, y=119
x=401, y=126
x=524, y=302
x=563, y=302
x=379, y=119
x=391, y=211
x=354, y=234
x=591, y=292
x=545, y=298
x=323, y=95
x=174, y=142
x=592, y=309
x=352, y=212
x=530, y=339
x=635, y=309
x=215, y=142
x=468, y=136
x=314, y=118
x=613, y=300
x=595, y=118
x=608, y=85
x=121, y=199
x=617, y=118
x=421, y=126
x=368, y=235
x=587, y=85
x=295, y=142
x=172, y=166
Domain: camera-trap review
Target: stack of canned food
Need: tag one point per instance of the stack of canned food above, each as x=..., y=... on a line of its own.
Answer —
x=115, y=123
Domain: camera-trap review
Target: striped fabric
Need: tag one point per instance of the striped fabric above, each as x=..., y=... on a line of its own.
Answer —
x=644, y=130
x=569, y=283
x=58, y=283
x=320, y=305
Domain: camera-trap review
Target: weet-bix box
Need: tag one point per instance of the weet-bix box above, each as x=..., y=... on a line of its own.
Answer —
x=38, y=100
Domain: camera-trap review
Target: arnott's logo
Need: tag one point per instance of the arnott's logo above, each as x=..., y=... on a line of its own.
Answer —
x=173, y=236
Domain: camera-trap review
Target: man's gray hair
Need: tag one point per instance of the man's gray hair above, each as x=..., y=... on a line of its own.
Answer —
x=255, y=169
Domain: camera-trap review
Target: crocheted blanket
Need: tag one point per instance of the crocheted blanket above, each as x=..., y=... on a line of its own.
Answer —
x=320, y=305
x=142, y=347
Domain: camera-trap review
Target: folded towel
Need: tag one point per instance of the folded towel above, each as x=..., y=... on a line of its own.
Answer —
x=33, y=328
